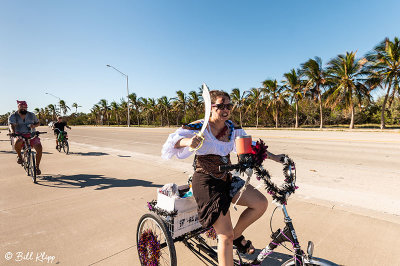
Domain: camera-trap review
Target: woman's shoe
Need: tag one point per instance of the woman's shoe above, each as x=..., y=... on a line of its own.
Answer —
x=244, y=249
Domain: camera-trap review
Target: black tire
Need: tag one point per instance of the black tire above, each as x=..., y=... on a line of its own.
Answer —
x=59, y=147
x=311, y=262
x=66, y=146
x=26, y=161
x=33, y=167
x=153, y=223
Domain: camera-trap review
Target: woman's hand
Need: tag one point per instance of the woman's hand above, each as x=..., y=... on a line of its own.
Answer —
x=188, y=142
x=195, y=142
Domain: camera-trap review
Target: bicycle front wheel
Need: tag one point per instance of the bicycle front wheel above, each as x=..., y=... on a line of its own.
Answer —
x=25, y=161
x=33, y=167
x=311, y=262
x=66, y=147
x=154, y=242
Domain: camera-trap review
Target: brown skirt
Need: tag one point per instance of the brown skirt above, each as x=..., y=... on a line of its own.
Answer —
x=212, y=197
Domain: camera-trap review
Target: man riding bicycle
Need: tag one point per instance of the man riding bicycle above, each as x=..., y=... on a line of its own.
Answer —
x=24, y=122
x=59, y=127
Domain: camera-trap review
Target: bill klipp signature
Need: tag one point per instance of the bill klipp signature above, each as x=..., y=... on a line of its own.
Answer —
x=29, y=256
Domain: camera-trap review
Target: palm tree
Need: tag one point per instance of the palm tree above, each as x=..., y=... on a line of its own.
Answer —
x=144, y=103
x=294, y=85
x=152, y=105
x=115, y=109
x=165, y=105
x=384, y=60
x=53, y=111
x=315, y=75
x=344, y=76
x=136, y=104
x=238, y=100
x=63, y=107
x=47, y=113
x=180, y=102
x=194, y=103
x=76, y=106
x=104, y=108
x=123, y=114
x=255, y=99
x=96, y=112
x=277, y=96
x=38, y=113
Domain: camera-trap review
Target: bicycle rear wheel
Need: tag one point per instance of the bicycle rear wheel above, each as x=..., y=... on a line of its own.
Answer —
x=154, y=242
x=311, y=262
x=66, y=146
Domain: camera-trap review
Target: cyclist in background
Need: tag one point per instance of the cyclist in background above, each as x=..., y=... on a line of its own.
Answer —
x=24, y=122
x=58, y=127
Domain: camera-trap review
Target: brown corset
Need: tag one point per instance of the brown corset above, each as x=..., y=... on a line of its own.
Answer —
x=209, y=165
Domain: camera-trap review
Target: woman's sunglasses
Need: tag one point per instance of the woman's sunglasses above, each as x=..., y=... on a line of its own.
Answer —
x=222, y=106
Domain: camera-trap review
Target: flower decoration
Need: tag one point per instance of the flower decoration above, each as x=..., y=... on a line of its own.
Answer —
x=161, y=212
x=149, y=248
x=260, y=152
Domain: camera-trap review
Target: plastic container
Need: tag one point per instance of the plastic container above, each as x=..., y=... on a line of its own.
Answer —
x=243, y=144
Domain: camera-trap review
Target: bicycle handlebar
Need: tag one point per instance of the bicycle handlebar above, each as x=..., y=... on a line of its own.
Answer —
x=238, y=166
x=33, y=134
x=229, y=167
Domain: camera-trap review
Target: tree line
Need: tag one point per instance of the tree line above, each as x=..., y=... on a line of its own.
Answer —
x=314, y=94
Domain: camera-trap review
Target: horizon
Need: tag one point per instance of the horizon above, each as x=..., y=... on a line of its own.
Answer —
x=63, y=48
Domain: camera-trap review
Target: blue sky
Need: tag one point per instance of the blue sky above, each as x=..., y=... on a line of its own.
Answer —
x=63, y=47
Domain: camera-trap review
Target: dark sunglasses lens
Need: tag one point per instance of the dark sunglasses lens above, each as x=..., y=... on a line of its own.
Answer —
x=222, y=106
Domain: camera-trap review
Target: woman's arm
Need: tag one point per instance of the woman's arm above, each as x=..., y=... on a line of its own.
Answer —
x=276, y=158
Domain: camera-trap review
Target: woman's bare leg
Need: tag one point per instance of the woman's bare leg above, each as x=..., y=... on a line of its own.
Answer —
x=224, y=230
x=256, y=204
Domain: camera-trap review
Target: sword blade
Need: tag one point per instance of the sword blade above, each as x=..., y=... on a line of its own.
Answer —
x=207, y=107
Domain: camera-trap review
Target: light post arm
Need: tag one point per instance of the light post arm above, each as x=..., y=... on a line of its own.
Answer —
x=55, y=97
x=127, y=90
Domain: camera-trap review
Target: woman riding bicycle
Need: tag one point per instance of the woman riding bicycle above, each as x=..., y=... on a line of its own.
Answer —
x=214, y=190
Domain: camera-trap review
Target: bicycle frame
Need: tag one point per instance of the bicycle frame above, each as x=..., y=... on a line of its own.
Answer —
x=196, y=244
x=61, y=136
x=288, y=234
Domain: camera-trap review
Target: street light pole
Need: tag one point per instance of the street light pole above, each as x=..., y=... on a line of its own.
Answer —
x=127, y=90
x=55, y=97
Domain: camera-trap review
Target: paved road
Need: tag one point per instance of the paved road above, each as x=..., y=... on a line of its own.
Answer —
x=85, y=208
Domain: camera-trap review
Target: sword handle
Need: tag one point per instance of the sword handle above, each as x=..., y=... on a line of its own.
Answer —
x=200, y=144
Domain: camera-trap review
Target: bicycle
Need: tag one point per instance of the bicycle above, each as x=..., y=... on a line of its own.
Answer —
x=62, y=139
x=155, y=236
x=28, y=156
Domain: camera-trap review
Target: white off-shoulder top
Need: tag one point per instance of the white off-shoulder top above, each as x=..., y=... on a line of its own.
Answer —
x=211, y=144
